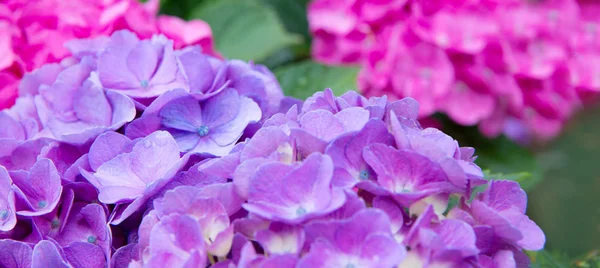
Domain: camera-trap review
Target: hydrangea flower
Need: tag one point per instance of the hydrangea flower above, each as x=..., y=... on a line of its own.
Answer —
x=210, y=126
x=130, y=178
x=65, y=107
x=34, y=34
x=448, y=54
x=224, y=171
x=141, y=69
x=364, y=240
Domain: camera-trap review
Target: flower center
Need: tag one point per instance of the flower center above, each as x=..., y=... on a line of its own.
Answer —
x=144, y=83
x=3, y=214
x=42, y=204
x=203, y=131
x=55, y=223
x=91, y=239
x=300, y=211
x=364, y=174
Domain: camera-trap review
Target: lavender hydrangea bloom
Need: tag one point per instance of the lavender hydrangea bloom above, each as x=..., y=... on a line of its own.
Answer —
x=447, y=242
x=406, y=175
x=75, y=109
x=209, y=212
x=176, y=241
x=86, y=223
x=500, y=212
x=38, y=189
x=207, y=76
x=364, y=240
x=281, y=239
x=347, y=153
x=293, y=194
x=137, y=175
x=210, y=126
x=140, y=69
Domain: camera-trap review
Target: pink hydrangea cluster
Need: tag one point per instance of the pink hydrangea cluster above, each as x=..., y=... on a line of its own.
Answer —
x=33, y=32
x=515, y=67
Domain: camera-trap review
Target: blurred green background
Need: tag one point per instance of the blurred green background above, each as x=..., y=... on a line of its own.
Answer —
x=566, y=204
x=562, y=178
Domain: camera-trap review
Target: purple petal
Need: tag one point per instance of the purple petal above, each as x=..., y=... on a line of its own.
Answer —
x=278, y=191
x=404, y=172
x=142, y=61
x=45, y=254
x=533, y=236
x=112, y=68
x=127, y=175
x=501, y=226
x=15, y=254
x=183, y=114
x=11, y=129
x=85, y=255
x=322, y=124
x=106, y=147
x=174, y=240
x=91, y=105
x=231, y=131
x=281, y=239
x=263, y=143
x=199, y=71
x=8, y=218
x=41, y=187
x=143, y=126
x=354, y=118
x=124, y=255
x=503, y=195
x=123, y=109
x=221, y=108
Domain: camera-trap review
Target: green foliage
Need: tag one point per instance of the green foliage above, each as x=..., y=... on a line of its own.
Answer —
x=589, y=260
x=523, y=178
x=546, y=259
x=552, y=259
x=245, y=29
x=179, y=8
x=565, y=205
x=293, y=15
x=301, y=80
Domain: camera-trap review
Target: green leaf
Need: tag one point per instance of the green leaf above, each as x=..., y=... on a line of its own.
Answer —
x=287, y=55
x=245, y=29
x=521, y=177
x=293, y=15
x=303, y=79
x=179, y=8
x=545, y=259
x=589, y=260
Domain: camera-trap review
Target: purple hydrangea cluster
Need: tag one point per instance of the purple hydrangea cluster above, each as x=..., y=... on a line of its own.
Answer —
x=521, y=67
x=132, y=154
